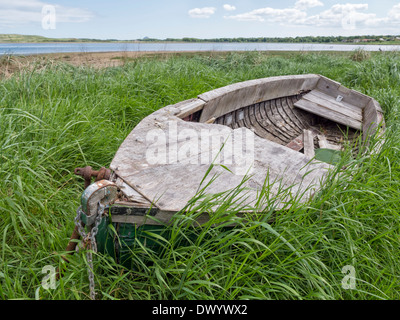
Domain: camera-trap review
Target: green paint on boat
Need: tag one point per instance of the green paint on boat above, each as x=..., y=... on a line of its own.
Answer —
x=123, y=241
x=328, y=155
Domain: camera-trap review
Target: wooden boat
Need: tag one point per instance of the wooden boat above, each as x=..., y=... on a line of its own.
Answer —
x=285, y=122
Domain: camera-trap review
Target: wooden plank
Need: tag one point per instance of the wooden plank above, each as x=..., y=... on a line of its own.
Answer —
x=189, y=107
x=370, y=112
x=250, y=116
x=331, y=103
x=288, y=109
x=373, y=117
x=324, y=112
x=288, y=123
x=268, y=109
x=131, y=194
x=355, y=98
x=230, y=98
x=305, y=120
x=235, y=117
x=323, y=143
x=270, y=117
x=120, y=205
x=220, y=120
x=309, y=151
x=161, y=218
x=164, y=218
x=328, y=86
x=334, y=88
x=228, y=119
x=297, y=143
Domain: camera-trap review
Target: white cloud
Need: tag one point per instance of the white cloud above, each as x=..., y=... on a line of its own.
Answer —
x=13, y=12
x=228, y=7
x=391, y=20
x=347, y=16
x=342, y=15
x=305, y=4
x=394, y=14
x=288, y=15
x=206, y=12
x=270, y=14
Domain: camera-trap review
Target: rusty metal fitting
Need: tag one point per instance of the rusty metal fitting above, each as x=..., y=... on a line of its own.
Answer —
x=88, y=173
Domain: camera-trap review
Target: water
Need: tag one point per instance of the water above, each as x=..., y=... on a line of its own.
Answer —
x=40, y=48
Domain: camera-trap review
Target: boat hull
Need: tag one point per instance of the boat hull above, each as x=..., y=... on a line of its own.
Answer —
x=288, y=122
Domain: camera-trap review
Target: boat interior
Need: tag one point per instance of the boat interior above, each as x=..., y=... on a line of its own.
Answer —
x=322, y=115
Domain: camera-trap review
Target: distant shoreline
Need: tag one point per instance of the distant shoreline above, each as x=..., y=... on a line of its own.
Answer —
x=29, y=48
x=387, y=43
x=325, y=40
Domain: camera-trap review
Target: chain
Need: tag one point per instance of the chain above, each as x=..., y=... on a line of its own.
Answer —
x=90, y=239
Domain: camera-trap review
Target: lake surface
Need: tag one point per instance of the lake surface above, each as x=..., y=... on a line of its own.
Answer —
x=40, y=48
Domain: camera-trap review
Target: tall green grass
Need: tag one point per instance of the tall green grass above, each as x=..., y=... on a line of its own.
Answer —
x=55, y=117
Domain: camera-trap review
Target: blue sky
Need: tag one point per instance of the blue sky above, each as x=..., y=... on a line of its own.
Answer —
x=123, y=19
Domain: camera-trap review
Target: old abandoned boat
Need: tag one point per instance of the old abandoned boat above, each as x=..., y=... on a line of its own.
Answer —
x=275, y=127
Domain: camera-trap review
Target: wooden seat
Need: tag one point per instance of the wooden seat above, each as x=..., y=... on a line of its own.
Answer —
x=326, y=106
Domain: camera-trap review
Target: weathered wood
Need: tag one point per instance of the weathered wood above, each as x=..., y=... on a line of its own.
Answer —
x=230, y=98
x=131, y=194
x=235, y=119
x=264, y=122
x=132, y=209
x=189, y=107
x=289, y=125
x=259, y=130
x=304, y=117
x=268, y=107
x=334, y=88
x=323, y=143
x=172, y=184
x=293, y=120
x=373, y=118
x=269, y=118
x=275, y=120
x=163, y=218
x=241, y=118
x=329, y=102
x=324, y=112
x=308, y=137
x=297, y=143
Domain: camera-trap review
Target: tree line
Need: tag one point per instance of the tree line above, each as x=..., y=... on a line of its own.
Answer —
x=307, y=39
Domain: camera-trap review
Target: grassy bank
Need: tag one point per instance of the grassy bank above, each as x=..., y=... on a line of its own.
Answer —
x=55, y=117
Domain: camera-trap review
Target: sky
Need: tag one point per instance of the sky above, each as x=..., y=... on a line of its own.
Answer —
x=161, y=19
